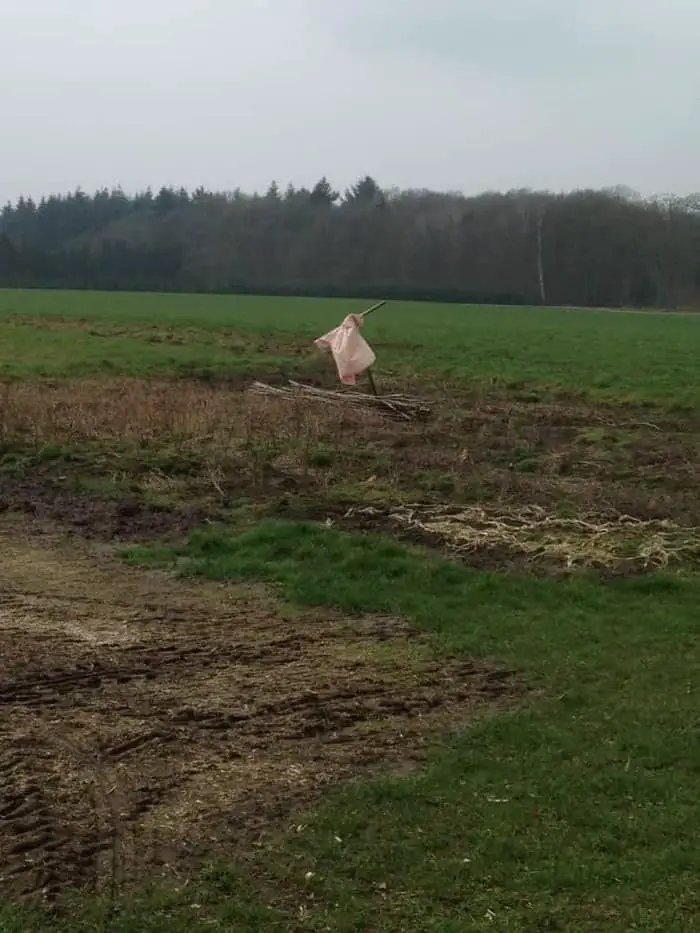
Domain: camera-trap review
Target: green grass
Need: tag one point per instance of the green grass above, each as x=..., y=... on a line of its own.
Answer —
x=30, y=352
x=577, y=812
x=604, y=355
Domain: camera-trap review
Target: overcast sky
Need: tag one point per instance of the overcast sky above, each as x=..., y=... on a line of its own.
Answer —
x=447, y=94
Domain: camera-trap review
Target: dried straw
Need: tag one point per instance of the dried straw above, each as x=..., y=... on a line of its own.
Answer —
x=592, y=540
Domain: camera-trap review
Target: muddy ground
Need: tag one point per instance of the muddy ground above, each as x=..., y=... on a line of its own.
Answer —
x=147, y=726
x=45, y=499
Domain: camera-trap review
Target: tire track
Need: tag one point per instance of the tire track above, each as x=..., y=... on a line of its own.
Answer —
x=156, y=724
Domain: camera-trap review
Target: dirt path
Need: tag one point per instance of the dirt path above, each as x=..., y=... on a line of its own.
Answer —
x=147, y=725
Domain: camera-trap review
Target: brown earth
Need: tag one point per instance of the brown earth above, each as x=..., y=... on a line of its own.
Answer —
x=107, y=519
x=147, y=725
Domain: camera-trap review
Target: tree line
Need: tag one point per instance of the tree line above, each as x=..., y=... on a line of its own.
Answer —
x=585, y=248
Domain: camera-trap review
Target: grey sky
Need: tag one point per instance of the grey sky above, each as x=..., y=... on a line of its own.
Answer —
x=458, y=94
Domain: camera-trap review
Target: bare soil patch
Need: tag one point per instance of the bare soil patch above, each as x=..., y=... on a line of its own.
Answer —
x=48, y=500
x=147, y=725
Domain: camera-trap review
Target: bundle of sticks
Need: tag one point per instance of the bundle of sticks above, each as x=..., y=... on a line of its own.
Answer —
x=401, y=407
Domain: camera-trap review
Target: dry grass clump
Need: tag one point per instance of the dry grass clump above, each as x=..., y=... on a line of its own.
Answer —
x=224, y=436
x=147, y=410
x=592, y=540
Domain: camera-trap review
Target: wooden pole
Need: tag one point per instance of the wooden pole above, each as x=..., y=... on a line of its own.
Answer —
x=379, y=304
x=370, y=375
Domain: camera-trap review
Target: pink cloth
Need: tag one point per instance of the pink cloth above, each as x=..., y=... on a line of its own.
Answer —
x=351, y=352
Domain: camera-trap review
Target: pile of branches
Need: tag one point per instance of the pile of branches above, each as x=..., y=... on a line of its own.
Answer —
x=590, y=541
x=400, y=407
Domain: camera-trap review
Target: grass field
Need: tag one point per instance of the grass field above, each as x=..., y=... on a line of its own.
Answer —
x=267, y=664
x=620, y=356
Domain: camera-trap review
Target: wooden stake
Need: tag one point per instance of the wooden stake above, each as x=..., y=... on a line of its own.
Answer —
x=372, y=383
x=370, y=376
